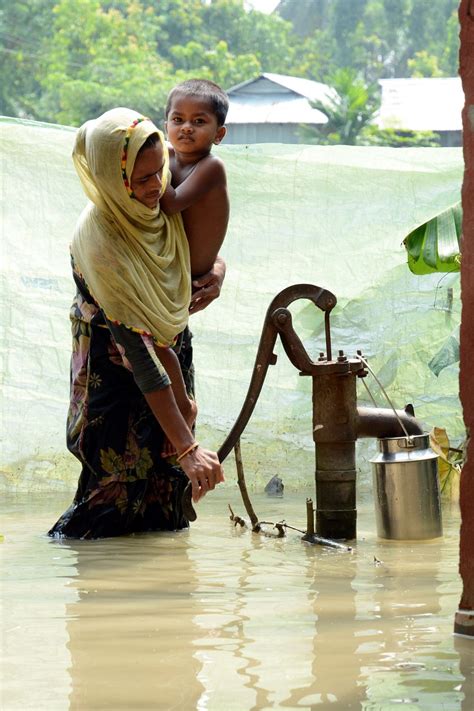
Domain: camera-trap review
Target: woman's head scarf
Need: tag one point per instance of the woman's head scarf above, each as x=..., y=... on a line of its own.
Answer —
x=134, y=259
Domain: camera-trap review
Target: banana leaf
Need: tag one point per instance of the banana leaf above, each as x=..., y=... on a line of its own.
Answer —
x=435, y=245
x=450, y=463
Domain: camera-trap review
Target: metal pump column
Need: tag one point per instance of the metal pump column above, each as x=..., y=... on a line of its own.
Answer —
x=337, y=421
x=335, y=434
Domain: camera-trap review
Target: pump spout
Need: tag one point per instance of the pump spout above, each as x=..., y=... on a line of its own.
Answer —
x=382, y=422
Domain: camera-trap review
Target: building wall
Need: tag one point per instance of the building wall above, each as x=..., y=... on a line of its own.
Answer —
x=242, y=133
x=450, y=139
x=247, y=133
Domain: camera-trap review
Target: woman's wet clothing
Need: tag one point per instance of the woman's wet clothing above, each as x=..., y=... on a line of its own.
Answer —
x=125, y=485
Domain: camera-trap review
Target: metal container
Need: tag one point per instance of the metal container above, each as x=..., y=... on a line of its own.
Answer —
x=406, y=489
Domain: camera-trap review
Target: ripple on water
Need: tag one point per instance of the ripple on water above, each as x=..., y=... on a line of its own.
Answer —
x=219, y=618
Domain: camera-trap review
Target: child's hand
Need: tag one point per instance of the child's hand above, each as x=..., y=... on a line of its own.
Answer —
x=207, y=287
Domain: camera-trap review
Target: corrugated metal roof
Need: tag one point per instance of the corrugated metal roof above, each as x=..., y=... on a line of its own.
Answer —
x=427, y=104
x=276, y=98
x=312, y=90
x=272, y=109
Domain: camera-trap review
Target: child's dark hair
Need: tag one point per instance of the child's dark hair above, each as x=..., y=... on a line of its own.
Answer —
x=206, y=90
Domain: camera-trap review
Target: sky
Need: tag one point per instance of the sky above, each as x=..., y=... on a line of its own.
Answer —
x=262, y=5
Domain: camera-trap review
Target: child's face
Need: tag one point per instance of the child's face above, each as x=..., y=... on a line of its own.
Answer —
x=192, y=126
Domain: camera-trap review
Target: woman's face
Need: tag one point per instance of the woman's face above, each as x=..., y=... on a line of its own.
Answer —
x=146, y=176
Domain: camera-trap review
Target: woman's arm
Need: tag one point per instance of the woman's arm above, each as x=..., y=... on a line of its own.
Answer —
x=201, y=466
x=138, y=355
x=169, y=361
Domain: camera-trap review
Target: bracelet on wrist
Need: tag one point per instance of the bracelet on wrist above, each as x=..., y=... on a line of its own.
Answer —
x=187, y=451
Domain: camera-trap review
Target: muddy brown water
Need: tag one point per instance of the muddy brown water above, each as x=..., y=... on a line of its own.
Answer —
x=216, y=618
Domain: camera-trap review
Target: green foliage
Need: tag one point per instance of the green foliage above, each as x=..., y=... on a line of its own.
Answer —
x=67, y=60
x=395, y=138
x=70, y=60
x=217, y=64
x=101, y=58
x=306, y=17
x=25, y=28
x=268, y=37
x=424, y=65
x=378, y=38
x=435, y=245
x=349, y=111
x=315, y=58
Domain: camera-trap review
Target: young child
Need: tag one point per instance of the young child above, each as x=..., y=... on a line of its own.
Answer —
x=195, y=114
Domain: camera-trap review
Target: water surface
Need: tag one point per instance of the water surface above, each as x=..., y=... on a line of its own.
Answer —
x=219, y=618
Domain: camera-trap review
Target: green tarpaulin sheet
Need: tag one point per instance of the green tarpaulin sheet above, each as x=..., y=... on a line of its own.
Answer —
x=331, y=216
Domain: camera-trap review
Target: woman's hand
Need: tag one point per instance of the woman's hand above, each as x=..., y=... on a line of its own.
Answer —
x=203, y=470
x=201, y=466
x=208, y=287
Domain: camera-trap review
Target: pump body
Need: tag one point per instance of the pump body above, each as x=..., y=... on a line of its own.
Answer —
x=337, y=420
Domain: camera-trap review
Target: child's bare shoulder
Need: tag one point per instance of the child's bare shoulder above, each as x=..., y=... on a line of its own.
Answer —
x=213, y=168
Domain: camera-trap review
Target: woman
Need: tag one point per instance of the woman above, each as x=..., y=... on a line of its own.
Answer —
x=131, y=268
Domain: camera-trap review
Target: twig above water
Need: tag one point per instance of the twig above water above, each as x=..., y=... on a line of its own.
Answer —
x=236, y=519
x=243, y=488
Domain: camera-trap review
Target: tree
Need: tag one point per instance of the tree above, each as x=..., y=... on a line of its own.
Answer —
x=315, y=59
x=66, y=61
x=306, y=17
x=90, y=55
x=371, y=135
x=191, y=24
x=26, y=26
x=348, y=111
x=379, y=37
x=101, y=58
x=423, y=64
x=217, y=64
x=268, y=37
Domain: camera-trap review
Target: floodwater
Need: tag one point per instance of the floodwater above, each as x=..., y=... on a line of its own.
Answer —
x=219, y=618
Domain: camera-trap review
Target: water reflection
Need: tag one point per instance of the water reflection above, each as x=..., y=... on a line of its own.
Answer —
x=288, y=606
x=465, y=650
x=414, y=594
x=218, y=619
x=311, y=626
x=225, y=645
x=131, y=630
x=334, y=663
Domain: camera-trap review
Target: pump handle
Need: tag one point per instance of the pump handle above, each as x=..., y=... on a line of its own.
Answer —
x=278, y=320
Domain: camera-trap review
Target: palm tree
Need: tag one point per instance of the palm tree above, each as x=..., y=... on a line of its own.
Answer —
x=349, y=110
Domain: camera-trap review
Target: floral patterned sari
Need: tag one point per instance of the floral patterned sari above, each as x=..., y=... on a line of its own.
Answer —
x=125, y=485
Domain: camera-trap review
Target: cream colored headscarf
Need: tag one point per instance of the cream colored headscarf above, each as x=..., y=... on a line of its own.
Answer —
x=134, y=260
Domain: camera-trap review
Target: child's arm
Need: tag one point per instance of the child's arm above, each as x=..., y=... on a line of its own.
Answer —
x=207, y=174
